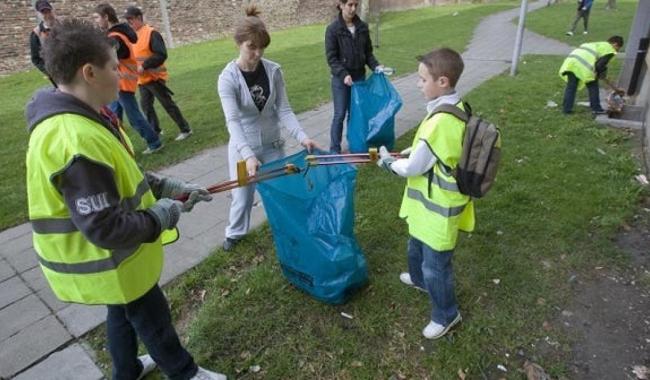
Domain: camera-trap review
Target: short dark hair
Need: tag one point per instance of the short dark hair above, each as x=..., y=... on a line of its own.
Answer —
x=71, y=44
x=618, y=40
x=133, y=11
x=443, y=62
x=107, y=10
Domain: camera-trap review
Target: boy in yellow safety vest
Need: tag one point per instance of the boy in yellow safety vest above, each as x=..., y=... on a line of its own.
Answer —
x=433, y=206
x=97, y=219
x=584, y=67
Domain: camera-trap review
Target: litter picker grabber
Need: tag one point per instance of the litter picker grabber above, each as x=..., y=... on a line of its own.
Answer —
x=350, y=158
x=244, y=179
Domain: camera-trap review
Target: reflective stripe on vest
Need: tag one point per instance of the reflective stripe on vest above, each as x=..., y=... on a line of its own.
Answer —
x=76, y=269
x=444, y=211
x=88, y=267
x=142, y=51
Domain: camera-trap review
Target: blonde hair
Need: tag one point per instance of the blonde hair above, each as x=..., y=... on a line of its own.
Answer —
x=252, y=28
x=443, y=62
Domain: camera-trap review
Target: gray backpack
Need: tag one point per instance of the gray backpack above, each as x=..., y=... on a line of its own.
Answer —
x=479, y=161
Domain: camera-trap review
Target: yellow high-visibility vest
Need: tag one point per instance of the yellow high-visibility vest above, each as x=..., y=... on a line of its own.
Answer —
x=432, y=205
x=582, y=61
x=76, y=269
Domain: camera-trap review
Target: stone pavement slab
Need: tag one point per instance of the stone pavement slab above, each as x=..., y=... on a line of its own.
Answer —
x=25, y=318
x=12, y=290
x=30, y=345
x=71, y=362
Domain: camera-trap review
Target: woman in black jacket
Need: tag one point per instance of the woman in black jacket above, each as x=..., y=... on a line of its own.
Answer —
x=348, y=49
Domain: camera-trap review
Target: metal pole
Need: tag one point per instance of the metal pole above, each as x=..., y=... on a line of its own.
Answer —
x=165, y=20
x=520, y=37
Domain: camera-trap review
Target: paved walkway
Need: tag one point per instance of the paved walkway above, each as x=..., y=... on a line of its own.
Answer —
x=38, y=334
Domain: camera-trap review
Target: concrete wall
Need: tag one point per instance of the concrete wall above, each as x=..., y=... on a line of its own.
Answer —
x=644, y=100
x=640, y=29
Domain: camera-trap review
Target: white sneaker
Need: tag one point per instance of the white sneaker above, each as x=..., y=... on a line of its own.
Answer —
x=152, y=151
x=405, y=277
x=585, y=32
x=204, y=374
x=183, y=135
x=148, y=365
x=569, y=33
x=435, y=331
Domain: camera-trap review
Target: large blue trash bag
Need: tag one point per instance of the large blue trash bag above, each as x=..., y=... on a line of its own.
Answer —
x=373, y=106
x=312, y=220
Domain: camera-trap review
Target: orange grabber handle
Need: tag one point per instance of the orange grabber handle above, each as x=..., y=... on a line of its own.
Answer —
x=232, y=184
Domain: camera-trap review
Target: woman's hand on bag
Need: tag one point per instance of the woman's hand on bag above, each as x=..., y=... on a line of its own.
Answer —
x=348, y=80
x=252, y=163
x=309, y=144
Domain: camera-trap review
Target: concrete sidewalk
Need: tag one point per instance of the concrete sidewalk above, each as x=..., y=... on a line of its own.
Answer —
x=39, y=335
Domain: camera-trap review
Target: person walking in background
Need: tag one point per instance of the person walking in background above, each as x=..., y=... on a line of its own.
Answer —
x=584, y=67
x=348, y=50
x=40, y=32
x=151, y=54
x=124, y=36
x=255, y=104
x=584, y=7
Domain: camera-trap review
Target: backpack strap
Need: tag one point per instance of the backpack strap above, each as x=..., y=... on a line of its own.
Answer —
x=459, y=114
x=453, y=110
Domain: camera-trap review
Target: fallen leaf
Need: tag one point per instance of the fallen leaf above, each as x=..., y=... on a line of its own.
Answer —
x=601, y=151
x=541, y=301
x=546, y=326
x=255, y=368
x=502, y=367
x=357, y=364
x=642, y=372
x=496, y=281
x=535, y=371
x=642, y=179
x=461, y=374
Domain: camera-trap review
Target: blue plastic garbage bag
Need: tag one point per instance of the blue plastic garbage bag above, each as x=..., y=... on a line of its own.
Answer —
x=312, y=220
x=373, y=106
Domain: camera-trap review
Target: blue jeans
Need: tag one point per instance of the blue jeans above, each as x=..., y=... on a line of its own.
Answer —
x=572, y=88
x=148, y=318
x=433, y=271
x=126, y=102
x=341, y=100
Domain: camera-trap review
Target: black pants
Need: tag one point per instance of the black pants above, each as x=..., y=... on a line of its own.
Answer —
x=584, y=15
x=149, y=319
x=572, y=88
x=160, y=91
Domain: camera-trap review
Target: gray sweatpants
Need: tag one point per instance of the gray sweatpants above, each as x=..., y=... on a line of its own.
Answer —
x=242, y=197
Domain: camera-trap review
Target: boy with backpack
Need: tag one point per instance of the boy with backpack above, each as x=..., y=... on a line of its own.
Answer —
x=433, y=205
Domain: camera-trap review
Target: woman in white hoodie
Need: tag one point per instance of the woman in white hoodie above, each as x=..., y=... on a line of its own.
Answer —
x=255, y=104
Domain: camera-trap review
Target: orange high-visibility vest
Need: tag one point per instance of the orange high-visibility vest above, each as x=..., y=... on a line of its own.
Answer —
x=128, y=67
x=142, y=52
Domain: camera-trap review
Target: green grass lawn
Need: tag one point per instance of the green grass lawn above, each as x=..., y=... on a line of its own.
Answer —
x=564, y=186
x=554, y=21
x=193, y=74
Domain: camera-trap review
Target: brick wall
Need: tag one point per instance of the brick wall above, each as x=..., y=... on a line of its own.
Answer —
x=190, y=20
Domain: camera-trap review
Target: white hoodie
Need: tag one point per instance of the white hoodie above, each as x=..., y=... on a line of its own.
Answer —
x=249, y=128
